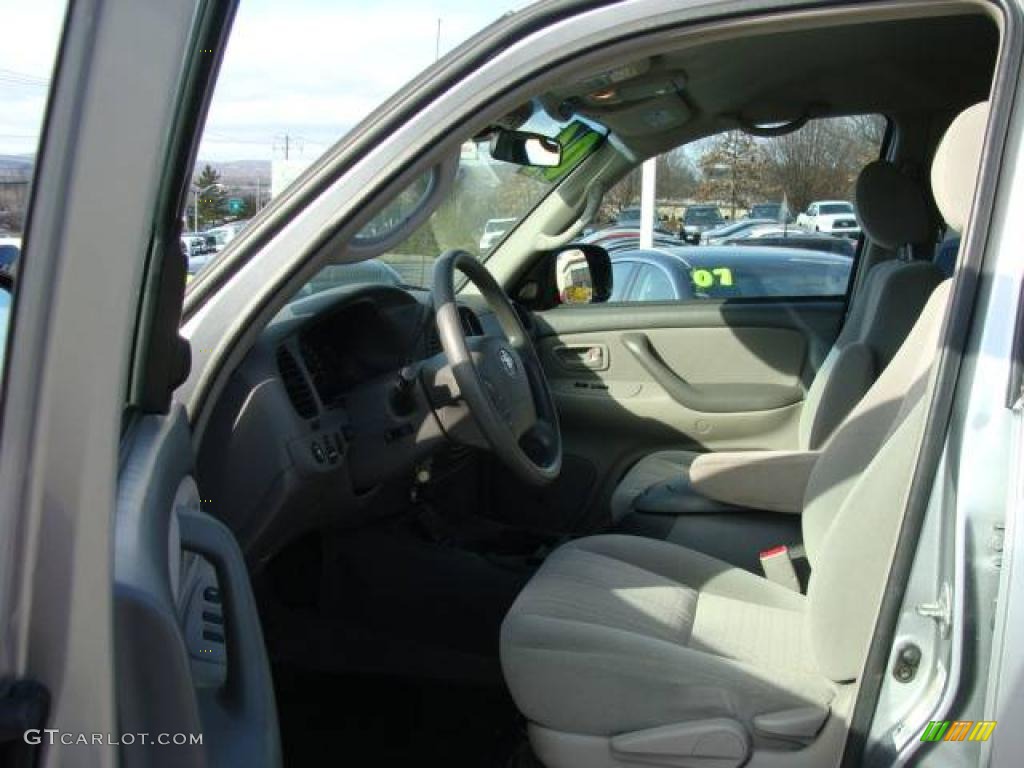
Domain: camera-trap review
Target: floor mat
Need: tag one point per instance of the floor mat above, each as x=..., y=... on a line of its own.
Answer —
x=379, y=721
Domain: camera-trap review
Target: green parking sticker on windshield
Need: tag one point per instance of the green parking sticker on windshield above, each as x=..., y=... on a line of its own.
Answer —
x=709, y=278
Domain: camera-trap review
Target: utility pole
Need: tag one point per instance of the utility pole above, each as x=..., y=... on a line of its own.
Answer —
x=437, y=41
x=283, y=143
x=648, y=212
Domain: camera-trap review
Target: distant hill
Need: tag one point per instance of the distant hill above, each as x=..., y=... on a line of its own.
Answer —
x=17, y=165
x=239, y=172
x=235, y=172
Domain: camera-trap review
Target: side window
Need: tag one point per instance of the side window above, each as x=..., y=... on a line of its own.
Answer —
x=26, y=65
x=755, y=218
x=621, y=272
x=652, y=284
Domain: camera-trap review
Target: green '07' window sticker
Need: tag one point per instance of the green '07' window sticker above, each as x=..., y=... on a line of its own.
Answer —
x=708, y=278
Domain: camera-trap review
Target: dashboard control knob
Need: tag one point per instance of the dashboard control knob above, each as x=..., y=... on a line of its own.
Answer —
x=318, y=453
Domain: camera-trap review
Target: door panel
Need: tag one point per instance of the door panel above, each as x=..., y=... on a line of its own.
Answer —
x=630, y=380
x=172, y=564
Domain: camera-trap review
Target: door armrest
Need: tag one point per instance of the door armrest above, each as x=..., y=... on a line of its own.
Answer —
x=768, y=480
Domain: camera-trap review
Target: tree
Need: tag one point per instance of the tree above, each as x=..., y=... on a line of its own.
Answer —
x=821, y=161
x=624, y=194
x=676, y=179
x=211, y=197
x=676, y=176
x=733, y=171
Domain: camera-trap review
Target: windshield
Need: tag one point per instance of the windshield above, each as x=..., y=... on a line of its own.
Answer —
x=836, y=208
x=703, y=216
x=488, y=200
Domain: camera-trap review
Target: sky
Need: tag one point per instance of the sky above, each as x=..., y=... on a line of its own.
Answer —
x=308, y=69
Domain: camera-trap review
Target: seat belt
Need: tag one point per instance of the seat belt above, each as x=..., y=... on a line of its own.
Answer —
x=777, y=565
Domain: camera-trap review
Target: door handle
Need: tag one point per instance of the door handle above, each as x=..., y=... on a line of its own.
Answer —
x=586, y=357
x=709, y=398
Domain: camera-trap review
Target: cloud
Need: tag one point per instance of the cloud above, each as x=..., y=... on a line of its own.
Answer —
x=308, y=68
x=26, y=62
x=314, y=69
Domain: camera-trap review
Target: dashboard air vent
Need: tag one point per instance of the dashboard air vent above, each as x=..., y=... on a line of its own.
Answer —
x=295, y=384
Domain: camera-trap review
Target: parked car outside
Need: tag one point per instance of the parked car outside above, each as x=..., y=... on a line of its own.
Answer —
x=630, y=217
x=726, y=272
x=698, y=219
x=836, y=217
x=197, y=244
x=778, y=212
x=10, y=250
x=494, y=230
x=615, y=239
x=720, y=234
x=225, y=233
x=794, y=237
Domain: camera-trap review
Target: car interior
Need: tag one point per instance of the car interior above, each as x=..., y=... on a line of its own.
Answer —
x=485, y=527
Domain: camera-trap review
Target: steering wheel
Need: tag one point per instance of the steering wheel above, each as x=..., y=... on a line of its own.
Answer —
x=499, y=378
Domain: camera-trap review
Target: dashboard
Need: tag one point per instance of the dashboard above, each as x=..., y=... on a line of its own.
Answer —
x=326, y=415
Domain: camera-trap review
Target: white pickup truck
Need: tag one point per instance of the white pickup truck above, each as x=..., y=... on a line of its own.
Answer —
x=835, y=217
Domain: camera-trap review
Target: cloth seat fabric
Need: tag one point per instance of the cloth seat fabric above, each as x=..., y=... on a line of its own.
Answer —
x=627, y=632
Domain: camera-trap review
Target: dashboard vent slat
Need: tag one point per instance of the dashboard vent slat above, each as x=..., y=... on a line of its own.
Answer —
x=295, y=384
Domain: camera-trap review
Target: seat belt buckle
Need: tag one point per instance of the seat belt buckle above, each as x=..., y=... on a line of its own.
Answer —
x=777, y=566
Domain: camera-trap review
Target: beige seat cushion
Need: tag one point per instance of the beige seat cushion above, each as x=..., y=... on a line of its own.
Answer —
x=621, y=633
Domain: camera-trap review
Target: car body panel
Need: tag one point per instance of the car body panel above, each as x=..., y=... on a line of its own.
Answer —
x=766, y=272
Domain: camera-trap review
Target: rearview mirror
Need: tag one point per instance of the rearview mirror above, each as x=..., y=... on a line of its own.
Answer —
x=523, y=148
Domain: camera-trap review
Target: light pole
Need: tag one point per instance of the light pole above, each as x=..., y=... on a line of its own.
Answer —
x=199, y=192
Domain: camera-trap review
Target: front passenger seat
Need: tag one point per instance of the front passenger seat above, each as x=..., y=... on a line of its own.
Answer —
x=657, y=494
x=625, y=650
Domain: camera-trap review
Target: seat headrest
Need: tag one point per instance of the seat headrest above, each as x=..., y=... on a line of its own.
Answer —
x=955, y=165
x=892, y=207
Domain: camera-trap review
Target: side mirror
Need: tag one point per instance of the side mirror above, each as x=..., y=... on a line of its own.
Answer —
x=582, y=274
x=524, y=148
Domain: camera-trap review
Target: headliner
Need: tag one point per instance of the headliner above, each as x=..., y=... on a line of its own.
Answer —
x=938, y=64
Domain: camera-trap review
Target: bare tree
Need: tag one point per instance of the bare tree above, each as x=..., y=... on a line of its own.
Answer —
x=822, y=159
x=676, y=175
x=624, y=194
x=733, y=171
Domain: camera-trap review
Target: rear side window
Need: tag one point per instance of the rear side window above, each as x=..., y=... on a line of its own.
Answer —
x=621, y=272
x=653, y=284
x=804, y=181
x=788, y=278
